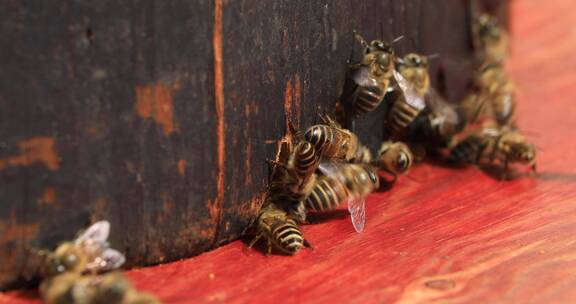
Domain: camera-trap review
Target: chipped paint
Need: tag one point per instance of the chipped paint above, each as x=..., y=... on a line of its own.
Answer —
x=12, y=230
x=48, y=197
x=36, y=150
x=154, y=101
x=182, y=167
x=293, y=101
x=215, y=206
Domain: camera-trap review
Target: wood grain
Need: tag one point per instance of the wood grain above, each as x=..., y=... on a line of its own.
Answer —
x=448, y=236
x=158, y=116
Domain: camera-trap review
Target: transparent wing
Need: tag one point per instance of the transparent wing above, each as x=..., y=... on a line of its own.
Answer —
x=357, y=209
x=363, y=78
x=97, y=233
x=410, y=94
x=109, y=259
x=439, y=105
x=332, y=168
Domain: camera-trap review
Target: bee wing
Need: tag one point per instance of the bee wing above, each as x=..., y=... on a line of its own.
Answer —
x=357, y=209
x=330, y=167
x=363, y=78
x=97, y=233
x=440, y=106
x=109, y=259
x=410, y=94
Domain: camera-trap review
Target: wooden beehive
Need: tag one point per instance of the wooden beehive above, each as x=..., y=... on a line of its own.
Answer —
x=158, y=116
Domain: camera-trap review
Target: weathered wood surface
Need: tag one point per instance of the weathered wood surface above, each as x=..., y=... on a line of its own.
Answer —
x=158, y=115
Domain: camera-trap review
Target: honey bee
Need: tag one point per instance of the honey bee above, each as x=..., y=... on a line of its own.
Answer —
x=279, y=230
x=409, y=102
x=394, y=157
x=505, y=145
x=368, y=81
x=293, y=179
x=334, y=142
x=341, y=182
x=89, y=252
x=439, y=121
x=364, y=155
x=468, y=151
x=110, y=288
x=489, y=39
x=496, y=92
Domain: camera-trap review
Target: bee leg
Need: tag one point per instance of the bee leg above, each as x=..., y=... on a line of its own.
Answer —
x=534, y=171
x=294, y=131
x=258, y=237
x=504, y=175
x=269, y=249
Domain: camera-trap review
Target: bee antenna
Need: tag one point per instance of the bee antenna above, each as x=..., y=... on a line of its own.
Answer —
x=433, y=56
x=360, y=39
x=397, y=39
x=381, y=30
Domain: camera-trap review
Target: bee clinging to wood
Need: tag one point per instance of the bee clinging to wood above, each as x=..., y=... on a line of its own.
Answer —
x=489, y=39
x=394, y=157
x=439, y=121
x=368, y=81
x=293, y=178
x=110, y=288
x=410, y=100
x=89, y=252
x=493, y=97
x=279, y=230
x=332, y=141
x=344, y=182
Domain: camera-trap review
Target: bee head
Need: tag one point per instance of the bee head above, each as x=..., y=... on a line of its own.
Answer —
x=379, y=46
x=488, y=27
x=65, y=258
x=524, y=153
x=415, y=60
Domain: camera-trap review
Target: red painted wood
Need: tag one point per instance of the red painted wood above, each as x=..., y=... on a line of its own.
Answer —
x=455, y=236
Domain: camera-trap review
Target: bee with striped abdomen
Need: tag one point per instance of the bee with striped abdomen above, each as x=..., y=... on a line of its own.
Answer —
x=406, y=106
x=394, y=157
x=489, y=39
x=89, y=252
x=439, y=121
x=467, y=151
x=368, y=81
x=344, y=182
x=334, y=142
x=504, y=145
x=293, y=179
x=494, y=97
x=279, y=230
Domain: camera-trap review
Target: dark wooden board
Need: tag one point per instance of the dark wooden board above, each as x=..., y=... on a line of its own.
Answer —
x=158, y=116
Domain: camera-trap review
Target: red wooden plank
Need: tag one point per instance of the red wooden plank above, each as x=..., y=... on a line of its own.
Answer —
x=455, y=236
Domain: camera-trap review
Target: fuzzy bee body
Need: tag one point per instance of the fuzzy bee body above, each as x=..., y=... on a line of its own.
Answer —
x=327, y=194
x=343, y=182
x=330, y=140
x=489, y=39
x=401, y=115
x=279, y=230
x=89, y=252
x=467, y=151
x=110, y=288
x=368, y=81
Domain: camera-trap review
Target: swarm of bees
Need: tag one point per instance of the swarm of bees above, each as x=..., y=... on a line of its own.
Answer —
x=78, y=272
x=328, y=165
